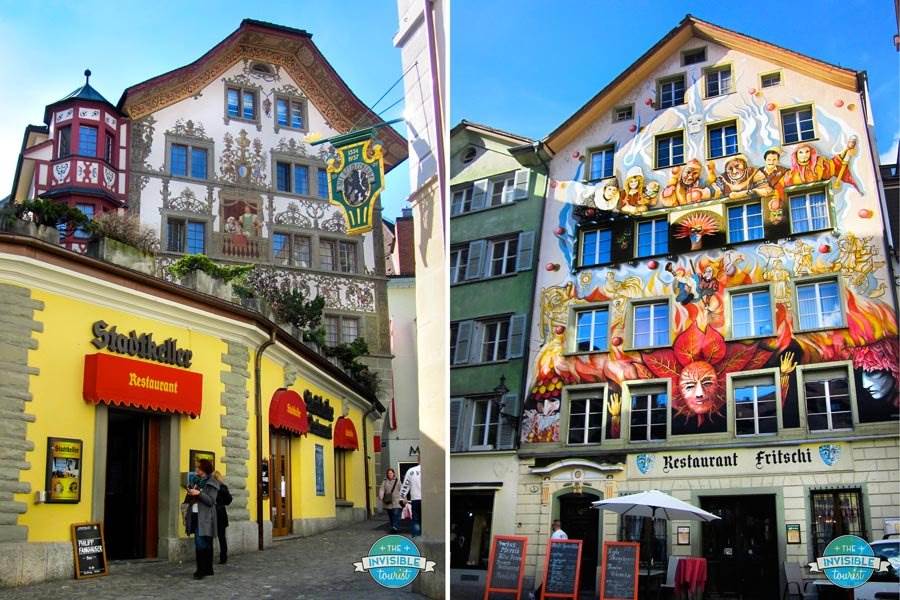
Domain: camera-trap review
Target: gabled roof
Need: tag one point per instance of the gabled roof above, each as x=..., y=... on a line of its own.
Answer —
x=293, y=51
x=691, y=27
x=487, y=129
x=85, y=92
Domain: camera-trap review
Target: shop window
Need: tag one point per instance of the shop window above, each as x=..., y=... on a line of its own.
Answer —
x=65, y=142
x=755, y=411
x=669, y=150
x=797, y=124
x=650, y=325
x=596, y=248
x=183, y=235
x=503, y=253
x=87, y=140
x=670, y=91
x=745, y=223
x=751, y=314
x=648, y=413
x=623, y=113
x=341, y=466
x=288, y=249
x=601, y=163
x=819, y=305
x=809, y=212
x=592, y=327
x=485, y=424
x=470, y=529
x=290, y=113
x=718, y=81
x=88, y=211
x=461, y=202
x=655, y=543
x=322, y=183
x=722, y=139
x=835, y=513
x=585, y=420
x=459, y=256
x=241, y=103
x=770, y=79
x=652, y=237
x=828, y=400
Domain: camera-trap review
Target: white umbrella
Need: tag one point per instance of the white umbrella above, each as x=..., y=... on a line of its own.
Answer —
x=656, y=505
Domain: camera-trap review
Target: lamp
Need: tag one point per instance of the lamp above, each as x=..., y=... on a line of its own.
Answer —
x=501, y=391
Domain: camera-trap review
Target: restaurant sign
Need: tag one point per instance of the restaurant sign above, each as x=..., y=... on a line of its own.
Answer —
x=141, y=346
x=828, y=456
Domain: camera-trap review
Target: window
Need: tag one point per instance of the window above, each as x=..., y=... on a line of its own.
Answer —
x=341, y=458
x=751, y=314
x=623, y=113
x=503, y=256
x=454, y=342
x=340, y=330
x=650, y=325
x=770, y=79
x=347, y=257
x=289, y=113
x=653, y=237
x=283, y=177
x=755, y=410
x=835, y=513
x=592, y=328
x=248, y=102
x=301, y=180
x=186, y=236
x=87, y=140
x=178, y=160
x=108, y=155
x=184, y=159
x=827, y=400
x=88, y=211
x=797, y=124
x=338, y=255
x=469, y=155
x=809, y=212
x=485, y=423
x=745, y=223
x=670, y=92
x=458, y=259
x=502, y=190
x=669, y=150
x=65, y=142
x=198, y=163
x=819, y=305
x=322, y=182
x=332, y=331
x=234, y=102
x=718, y=81
x=462, y=201
x=240, y=103
x=648, y=414
x=693, y=56
x=585, y=420
x=292, y=178
x=601, y=163
x=349, y=330
x=495, y=345
x=632, y=530
x=722, y=139
x=290, y=249
x=596, y=247
x=326, y=255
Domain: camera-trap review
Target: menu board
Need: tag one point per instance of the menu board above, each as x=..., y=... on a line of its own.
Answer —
x=562, y=569
x=506, y=567
x=619, y=571
x=89, y=549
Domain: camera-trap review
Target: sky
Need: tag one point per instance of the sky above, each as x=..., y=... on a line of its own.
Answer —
x=46, y=46
x=525, y=66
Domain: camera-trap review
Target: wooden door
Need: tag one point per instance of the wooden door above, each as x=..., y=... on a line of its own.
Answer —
x=280, y=497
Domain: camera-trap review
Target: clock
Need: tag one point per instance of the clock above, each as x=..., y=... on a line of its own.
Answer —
x=355, y=181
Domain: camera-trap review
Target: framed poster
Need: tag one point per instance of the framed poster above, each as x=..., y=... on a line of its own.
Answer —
x=320, y=470
x=792, y=531
x=891, y=526
x=683, y=535
x=63, y=478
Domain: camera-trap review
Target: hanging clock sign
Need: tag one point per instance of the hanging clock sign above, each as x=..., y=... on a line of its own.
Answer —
x=355, y=180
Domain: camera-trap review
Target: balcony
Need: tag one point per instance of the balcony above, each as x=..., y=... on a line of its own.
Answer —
x=239, y=247
x=83, y=172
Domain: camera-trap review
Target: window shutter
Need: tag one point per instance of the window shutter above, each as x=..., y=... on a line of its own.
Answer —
x=463, y=337
x=521, y=184
x=456, y=405
x=511, y=404
x=516, y=345
x=526, y=251
x=479, y=194
x=476, y=254
x=509, y=418
x=477, y=340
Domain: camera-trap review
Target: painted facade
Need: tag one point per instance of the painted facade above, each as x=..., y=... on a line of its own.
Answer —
x=713, y=275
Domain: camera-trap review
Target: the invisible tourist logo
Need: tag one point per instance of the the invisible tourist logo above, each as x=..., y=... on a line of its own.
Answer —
x=394, y=562
x=848, y=562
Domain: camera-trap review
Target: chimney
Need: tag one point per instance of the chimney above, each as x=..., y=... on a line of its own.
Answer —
x=404, y=244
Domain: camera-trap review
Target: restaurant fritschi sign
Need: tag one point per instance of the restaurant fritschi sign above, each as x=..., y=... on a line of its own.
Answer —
x=142, y=346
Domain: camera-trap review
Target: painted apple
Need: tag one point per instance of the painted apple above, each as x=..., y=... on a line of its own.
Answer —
x=591, y=212
x=576, y=155
x=649, y=101
x=616, y=341
x=752, y=91
x=559, y=230
x=552, y=266
x=838, y=103
x=632, y=128
x=652, y=264
x=851, y=107
x=770, y=106
x=559, y=329
x=865, y=213
x=824, y=249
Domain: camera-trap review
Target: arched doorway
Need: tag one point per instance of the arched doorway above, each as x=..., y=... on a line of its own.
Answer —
x=581, y=521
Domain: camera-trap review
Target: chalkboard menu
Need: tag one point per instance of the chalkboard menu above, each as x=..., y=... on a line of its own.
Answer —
x=89, y=548
x=561, y=569
x=619, y=571
x=506, y=567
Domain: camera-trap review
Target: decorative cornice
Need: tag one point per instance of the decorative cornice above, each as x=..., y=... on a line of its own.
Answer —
x=189, y=129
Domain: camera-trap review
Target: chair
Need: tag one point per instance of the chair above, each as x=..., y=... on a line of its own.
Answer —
x=669, y=584
x=793, y=576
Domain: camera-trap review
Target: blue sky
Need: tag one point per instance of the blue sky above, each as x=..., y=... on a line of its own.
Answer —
x=526, y=66
x=45, y=47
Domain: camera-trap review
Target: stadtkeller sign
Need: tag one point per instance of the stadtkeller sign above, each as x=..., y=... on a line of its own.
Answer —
x=825, y=457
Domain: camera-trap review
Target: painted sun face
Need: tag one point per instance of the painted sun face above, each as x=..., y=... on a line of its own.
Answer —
x=699, y=386
x=736, y=170
x=803, y=154
x=690, y=175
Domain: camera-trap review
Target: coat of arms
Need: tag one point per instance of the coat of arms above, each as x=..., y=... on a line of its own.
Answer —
x=829, y=453
x=644, y=463
x=355, y=180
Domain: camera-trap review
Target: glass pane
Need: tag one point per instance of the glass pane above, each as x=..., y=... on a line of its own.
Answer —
x=198, y=163
x=296, y=115
x=196, y=238
x=744, y=427
x=280, y=247
x=175, y=236
x=578, y=407
x=283, y=177
x=596, y=419
x=301, y=179
x=233, y=103
x=658, y=432
x=842, y=421
x=281, y=111
x=768, y=425
x=595, y=436
x=576, y=436
x=818, y=422
x=322, y=183
x=179, y=160
x=249, y=105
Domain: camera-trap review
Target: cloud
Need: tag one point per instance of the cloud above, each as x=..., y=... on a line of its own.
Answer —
x=889, y=156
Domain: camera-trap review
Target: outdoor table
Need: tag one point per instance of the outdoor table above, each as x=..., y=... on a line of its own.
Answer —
x=690, y=575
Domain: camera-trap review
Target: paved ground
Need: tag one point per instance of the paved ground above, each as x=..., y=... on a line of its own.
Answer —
x=309, y=568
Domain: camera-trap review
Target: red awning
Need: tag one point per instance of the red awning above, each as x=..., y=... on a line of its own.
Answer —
x=288, y=411
x=127, y=382
x=345, y=434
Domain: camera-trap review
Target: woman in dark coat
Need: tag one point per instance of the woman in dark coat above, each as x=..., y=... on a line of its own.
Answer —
x=203, y=516
x=223, y=499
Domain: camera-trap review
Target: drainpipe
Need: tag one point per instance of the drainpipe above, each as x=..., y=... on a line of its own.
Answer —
x=366, y=459
x=257, y=369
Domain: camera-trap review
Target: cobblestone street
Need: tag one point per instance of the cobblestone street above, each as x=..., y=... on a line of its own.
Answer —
x=310, y=568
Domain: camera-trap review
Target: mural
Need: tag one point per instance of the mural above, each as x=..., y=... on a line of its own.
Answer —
x=700, y=266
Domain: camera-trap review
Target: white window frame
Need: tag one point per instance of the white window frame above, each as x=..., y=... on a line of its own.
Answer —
x=508, y=242
x=750, y=292
x=492, y=412
x=670, y=154
x=762, y=79
x=808, y=209
x=660, y=89
x=459, y=258
x=464, y=202
x=736, y=384
x=590, y=400
x=716, y=73
x=794, y=112
x=816, y=372
x=820, y=315
x=653, y=234
x=507, y=192
x=745, y=226
x=653, y=304
x=594, y=260
x=494, y=343
x=648, y=393
x=590, y=339
x=601, y=151
x=620, y=115
x=719, y=129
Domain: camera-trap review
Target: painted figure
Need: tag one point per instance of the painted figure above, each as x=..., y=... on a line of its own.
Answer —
x=808, y=167
x=708, y=287
x=609, y=197
x=651, y=193
x=696, y=226
x=620, y=291
x=231, y=225
x=684, y=185
x=781, y=277
x=856, y=261
x=739, y=181
x=803, y=258
x=683, y=286
x=250, y=224
x=555, y=302
x=633, y=201
x=774, y=174
x=699, y=387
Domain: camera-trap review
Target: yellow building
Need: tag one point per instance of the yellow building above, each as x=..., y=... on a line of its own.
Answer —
x=111, y=382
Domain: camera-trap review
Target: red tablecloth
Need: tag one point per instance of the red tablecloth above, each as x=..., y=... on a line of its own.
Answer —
x=690, y=574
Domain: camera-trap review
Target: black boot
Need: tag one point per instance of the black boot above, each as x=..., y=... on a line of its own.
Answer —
x=198, y=558
x=208, y=561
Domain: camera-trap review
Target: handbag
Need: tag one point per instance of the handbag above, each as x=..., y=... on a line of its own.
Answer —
x=388, y=499
x=406, y=515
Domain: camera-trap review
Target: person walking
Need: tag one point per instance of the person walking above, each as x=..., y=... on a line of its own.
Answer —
x=412, y=487
x=203, y=516
x=390, y=498
x=558, y=533
x=223, y=499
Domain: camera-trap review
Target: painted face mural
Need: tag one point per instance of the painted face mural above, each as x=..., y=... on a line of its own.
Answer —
x=699, y=388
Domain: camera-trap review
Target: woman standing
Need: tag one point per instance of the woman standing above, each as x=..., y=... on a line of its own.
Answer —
x=390, y=498
x=203, y=516
x=223, y=499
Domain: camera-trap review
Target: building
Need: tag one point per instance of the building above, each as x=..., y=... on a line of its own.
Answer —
x=115, y=382
x=422, y=38
x=218, y=157
x=715, y=318
x=495, y=223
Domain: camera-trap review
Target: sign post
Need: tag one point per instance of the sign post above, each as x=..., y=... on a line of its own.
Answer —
x=562, y=569
x=619, y=571
x=506, y=566
x=89, y=549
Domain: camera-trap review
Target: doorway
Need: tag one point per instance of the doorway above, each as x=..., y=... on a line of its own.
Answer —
x=581, y=521
x=741, y=548
x=131, y=506
x=280, y=445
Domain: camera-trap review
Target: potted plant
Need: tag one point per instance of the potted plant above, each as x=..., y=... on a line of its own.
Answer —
x=41, y=218
x=198, y=272
x=121, y=239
